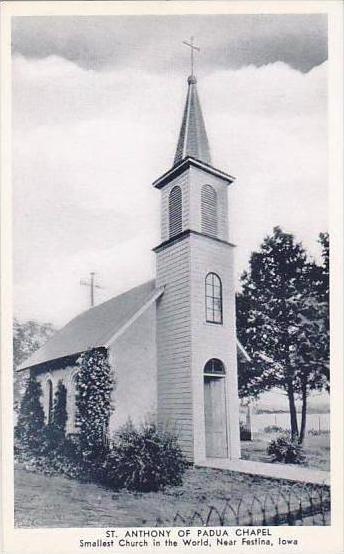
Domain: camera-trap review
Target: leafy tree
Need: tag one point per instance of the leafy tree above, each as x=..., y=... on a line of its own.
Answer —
x=93, y=399
x=30, y=425
x=281, y=319
x=28, y=337
x=313, y=335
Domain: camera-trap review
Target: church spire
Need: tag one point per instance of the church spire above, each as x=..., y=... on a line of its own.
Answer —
x=193, y=140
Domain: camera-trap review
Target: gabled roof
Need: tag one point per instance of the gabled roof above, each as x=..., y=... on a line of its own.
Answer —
x=95, y=327
x=100, y=326
x=193, y=140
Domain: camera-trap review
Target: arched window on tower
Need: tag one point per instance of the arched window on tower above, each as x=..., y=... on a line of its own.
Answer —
x=50, y=402
x=209, y=210
x=213, y=298
x=175, y=209
x=214, y=367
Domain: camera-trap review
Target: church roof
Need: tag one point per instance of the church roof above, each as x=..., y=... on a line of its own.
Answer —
x=193, y=140
x=95, y=327
x=100, y=326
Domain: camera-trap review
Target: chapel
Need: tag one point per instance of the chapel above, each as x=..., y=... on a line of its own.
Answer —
x=172, y=340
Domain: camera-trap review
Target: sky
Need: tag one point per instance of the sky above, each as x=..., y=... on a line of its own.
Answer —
x=97, y=106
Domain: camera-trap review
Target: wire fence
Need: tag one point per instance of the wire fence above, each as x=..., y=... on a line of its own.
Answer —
x=297, y=505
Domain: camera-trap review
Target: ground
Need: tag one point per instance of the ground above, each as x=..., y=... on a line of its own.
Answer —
x=56, y=501
x=316, y=449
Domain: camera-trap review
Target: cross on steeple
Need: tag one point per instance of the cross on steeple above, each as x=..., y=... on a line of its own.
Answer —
x=192, y=48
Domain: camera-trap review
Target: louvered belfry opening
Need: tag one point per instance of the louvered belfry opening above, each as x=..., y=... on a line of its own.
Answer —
x=209, y=210
x=175, y=205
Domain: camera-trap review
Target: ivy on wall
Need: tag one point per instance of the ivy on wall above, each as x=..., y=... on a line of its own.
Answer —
x=94, y=384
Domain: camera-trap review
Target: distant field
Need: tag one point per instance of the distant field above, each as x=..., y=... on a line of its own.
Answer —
x=314, y=421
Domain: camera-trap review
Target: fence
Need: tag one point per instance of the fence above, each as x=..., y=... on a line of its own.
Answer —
x=307, y=505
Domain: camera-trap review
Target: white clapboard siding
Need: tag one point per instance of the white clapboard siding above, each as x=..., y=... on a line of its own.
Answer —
x=174, y=342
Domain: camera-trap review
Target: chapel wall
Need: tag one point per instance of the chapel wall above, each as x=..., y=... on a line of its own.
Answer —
x=133, y=358
x=174, y=343
x=66, y=375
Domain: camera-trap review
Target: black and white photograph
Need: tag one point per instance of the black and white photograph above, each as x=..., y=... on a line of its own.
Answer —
x=170, y=276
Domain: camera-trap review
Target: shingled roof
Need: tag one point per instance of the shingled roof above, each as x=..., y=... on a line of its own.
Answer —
x=193, y=140
x=95, y=327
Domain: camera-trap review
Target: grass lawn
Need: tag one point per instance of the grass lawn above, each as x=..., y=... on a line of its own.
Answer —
x=56, y=501
x=316, y=449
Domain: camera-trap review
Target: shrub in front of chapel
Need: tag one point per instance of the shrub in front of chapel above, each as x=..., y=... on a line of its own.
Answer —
x=29, y=430
x=144, y=459
x=284, y=449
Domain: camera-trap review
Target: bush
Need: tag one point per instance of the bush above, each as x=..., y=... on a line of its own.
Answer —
x=273, y=429
x=144, y=459
x=29, y=430
x=284, y=449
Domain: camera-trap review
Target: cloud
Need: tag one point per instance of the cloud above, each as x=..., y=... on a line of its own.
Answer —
x=88, y=145
x=154, y=43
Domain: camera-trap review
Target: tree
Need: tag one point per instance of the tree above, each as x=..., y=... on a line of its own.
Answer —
x=28, y=337
x=279, y=323
x=30, y=425
x=93, y=400
x=313, y=334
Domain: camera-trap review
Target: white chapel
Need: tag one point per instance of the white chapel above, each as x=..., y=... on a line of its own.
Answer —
x=172, y=340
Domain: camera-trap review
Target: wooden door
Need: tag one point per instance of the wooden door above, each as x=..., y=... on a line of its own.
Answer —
x=215, y=417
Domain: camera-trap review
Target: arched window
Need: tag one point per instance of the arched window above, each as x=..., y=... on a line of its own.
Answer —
x=213, y=298
x=209, y=210
x=175, y=211
x=50, y=401
x=214, y=367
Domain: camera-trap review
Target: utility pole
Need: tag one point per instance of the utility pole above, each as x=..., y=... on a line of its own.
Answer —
x=92, y=284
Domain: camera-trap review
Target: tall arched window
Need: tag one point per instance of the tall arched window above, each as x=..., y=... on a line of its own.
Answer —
x=50, y=401
x=213, y=298
x=209, y=210
x=175, y=211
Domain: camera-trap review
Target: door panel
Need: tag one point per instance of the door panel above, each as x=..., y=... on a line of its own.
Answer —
x=215, y=417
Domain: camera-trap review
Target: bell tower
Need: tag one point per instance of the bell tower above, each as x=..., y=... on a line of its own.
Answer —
x=196, y=336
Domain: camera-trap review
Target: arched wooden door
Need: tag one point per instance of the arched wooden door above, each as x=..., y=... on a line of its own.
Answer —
x=216, y=441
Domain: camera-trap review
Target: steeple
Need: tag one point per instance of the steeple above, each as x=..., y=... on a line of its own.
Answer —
x=193, y=140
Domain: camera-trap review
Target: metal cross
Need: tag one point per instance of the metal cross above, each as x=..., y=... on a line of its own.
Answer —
x=92, y=286
x=192, y=47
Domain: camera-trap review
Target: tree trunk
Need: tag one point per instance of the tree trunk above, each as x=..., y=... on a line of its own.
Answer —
x=294, y=428
x=303, y=414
